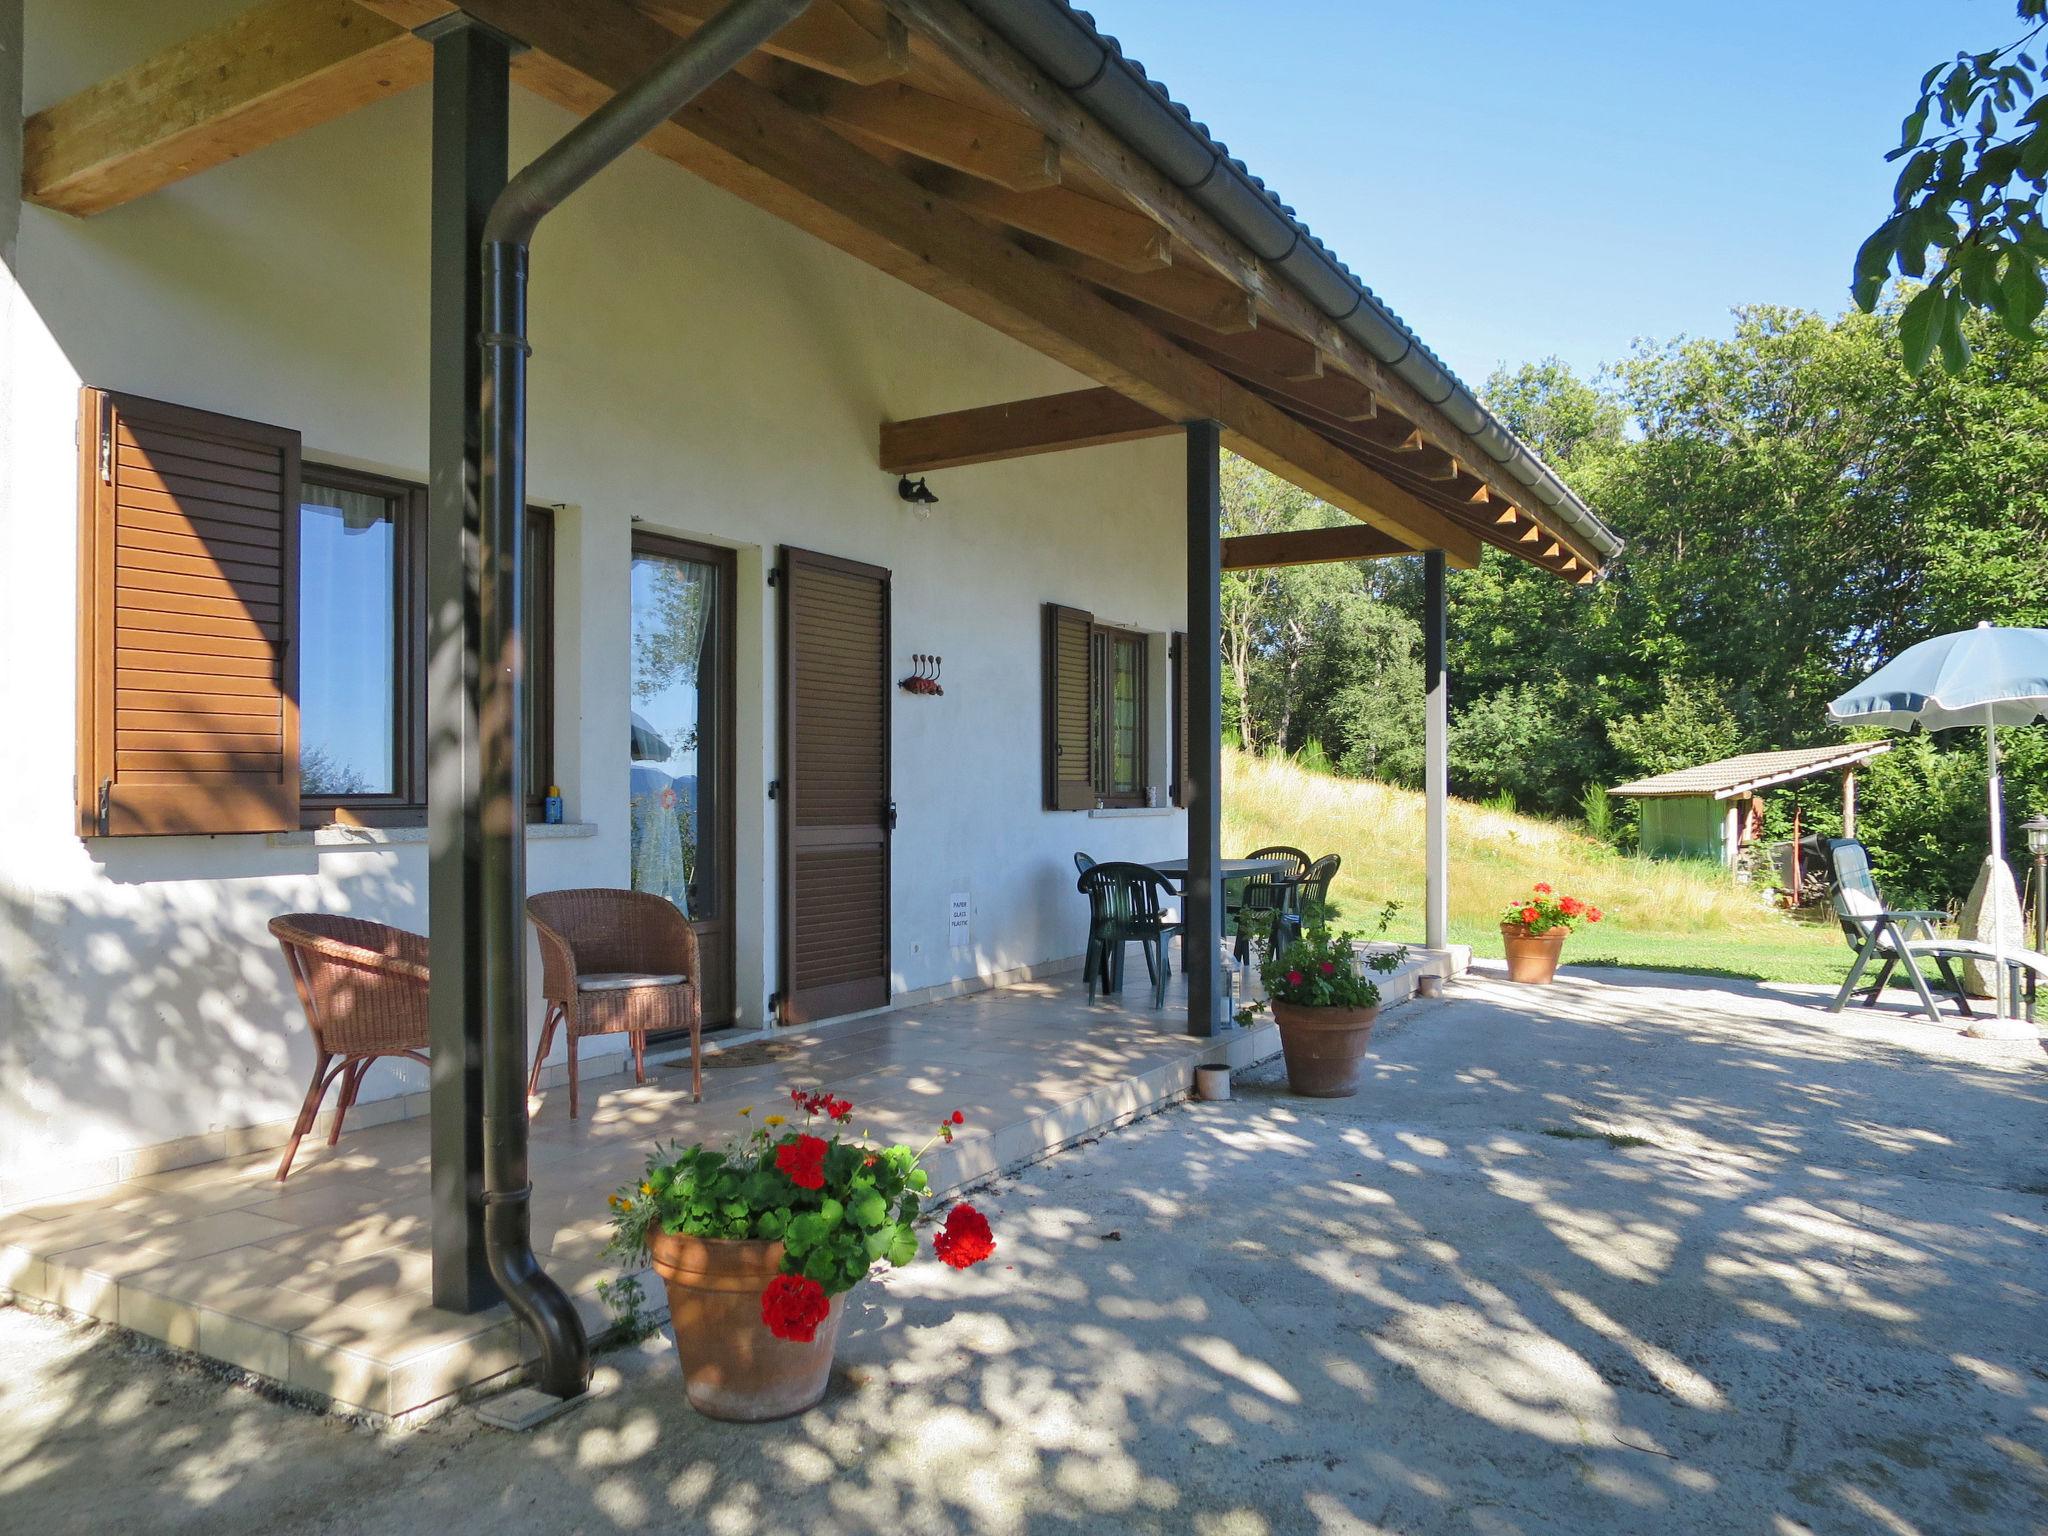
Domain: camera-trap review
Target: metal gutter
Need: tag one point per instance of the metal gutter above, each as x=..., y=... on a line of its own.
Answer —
x=528, y=198
x=1091, y=66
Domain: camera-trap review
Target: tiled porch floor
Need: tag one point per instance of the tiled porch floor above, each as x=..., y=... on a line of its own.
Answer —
x=323, y=1283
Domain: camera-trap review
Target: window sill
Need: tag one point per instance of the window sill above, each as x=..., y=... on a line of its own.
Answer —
x=339, y=836
x=1134, y=810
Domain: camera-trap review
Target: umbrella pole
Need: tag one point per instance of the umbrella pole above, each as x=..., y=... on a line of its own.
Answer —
x=1992, y=886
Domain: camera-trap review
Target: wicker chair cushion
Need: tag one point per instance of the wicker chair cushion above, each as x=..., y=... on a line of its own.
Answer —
x=627, y=981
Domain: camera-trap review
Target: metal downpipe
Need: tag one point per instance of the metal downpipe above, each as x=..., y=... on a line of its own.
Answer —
x=531, y=195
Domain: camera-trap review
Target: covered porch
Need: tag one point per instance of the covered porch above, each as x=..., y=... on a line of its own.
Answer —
x=1134, y=286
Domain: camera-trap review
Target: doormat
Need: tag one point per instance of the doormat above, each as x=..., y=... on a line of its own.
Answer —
x=757, y=1054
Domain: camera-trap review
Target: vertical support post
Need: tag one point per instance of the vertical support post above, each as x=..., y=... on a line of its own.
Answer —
x=471, y=101
x=1731, y=835
x=1202, y=895
x=1848, y=802
x=1436, y=753
x=10, y=127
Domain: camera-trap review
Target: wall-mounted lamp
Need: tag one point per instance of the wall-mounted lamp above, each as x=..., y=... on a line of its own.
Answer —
x=916, y=492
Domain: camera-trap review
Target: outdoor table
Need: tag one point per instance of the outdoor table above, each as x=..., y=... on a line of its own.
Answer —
x=1233, y=869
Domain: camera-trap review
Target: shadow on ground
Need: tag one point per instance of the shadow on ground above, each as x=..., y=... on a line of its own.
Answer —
x=1636, y=1253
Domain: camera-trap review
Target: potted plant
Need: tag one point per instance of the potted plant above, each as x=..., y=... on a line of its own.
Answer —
x=759, y=1241
x=1325, y=1008
x=1534, y=929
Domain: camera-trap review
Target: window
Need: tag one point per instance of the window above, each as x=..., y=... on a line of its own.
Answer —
x=1098, y=712
x=1117, y=716
x=253, y=631
x=362, y=644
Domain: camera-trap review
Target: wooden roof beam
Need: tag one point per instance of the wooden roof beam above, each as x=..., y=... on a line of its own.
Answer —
x=1081, y=418
x=953, y=32
x=750, y=142
x=1309, y=546
x=828, y=37
x=997, y=149
x=1189, y=293
x=273, y=71
x=1116, y=236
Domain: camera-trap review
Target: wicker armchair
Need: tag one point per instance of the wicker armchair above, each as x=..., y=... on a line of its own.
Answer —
x=616, y=962
x=364, y=988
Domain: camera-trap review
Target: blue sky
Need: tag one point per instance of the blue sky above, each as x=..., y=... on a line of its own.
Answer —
x=1563, y=176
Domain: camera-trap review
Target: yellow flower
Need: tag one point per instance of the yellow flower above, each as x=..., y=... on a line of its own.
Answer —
x=748, y=1110
x=646, y=1189
x=617, y=1202
x=771, y=1120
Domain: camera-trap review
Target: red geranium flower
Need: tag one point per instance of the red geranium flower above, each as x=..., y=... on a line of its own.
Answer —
x=804, y=1161
x=792, y=1306
x=1571, y=906
x=1294, y=978
x=958, y=1118
x=1329, y=966
x=1592, y=914
x=1542, y=888
x=1529, y=914
x=966, y=1240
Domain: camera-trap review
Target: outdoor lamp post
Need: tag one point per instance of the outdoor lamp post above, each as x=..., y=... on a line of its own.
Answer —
x=2036, y=831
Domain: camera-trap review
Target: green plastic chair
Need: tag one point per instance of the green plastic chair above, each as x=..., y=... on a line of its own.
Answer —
x=1270, y=896
x=1127, y=902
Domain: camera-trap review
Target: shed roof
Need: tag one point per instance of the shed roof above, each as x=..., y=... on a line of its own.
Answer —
x=1733, y=776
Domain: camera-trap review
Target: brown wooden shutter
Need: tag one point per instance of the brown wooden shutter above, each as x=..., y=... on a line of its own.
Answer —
x=188, y=576
x=1183, y=774
x=837, y=810
x=1068, y=736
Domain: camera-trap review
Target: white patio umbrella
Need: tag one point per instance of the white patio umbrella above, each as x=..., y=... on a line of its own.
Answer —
x=1986, y=677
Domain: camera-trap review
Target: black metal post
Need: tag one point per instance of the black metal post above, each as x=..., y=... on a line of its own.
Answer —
x=471, y=91
x=1436, y=759
x=1202, y=895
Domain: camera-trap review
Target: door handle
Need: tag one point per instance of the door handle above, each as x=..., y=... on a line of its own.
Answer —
x=892, y=815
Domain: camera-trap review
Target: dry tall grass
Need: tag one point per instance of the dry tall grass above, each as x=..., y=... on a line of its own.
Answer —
x=1495, y=856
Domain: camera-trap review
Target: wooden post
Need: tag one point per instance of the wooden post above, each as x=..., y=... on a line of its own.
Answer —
x=1848, y=802
x=1202, y=894
x=1731, y=835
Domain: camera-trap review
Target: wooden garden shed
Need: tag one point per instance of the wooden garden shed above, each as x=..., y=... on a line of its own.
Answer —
x=1696, y=813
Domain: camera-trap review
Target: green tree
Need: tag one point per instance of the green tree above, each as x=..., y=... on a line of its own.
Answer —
x=1968, y=196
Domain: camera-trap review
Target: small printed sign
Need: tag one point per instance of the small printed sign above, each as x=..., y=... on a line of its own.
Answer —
x=959, y=919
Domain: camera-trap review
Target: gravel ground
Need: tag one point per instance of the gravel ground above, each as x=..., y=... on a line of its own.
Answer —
x=1636, y=1253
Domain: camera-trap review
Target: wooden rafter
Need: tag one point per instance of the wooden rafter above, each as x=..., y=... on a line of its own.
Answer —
x=1187, y=292
x=1309, y=546
x=745, y=138
x=829, y=37
x=946, y=31
x=996, y=149
x=1110, y=234
x=1081, y=418
x=272, y=71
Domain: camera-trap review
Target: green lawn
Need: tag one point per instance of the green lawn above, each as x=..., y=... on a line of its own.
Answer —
x=1659, y=915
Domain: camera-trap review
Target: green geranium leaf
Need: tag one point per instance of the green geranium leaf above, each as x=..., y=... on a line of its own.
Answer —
x=903, y=1244
x=870, y=1209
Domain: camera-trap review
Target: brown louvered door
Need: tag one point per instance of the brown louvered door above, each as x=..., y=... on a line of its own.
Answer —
x=1068, y=738
x=836, y=809
x=188, y=719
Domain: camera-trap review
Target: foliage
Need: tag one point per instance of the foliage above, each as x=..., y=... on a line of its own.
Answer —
x=838, y=1207
x=1923, y=806
x=1598, y=811
x=1692, y=724
x=1318, y=968
x=320, y=773
x=1969, y=195
x=1544, y=911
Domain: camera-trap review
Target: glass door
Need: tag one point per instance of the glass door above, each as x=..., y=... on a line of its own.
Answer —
x=681, y=749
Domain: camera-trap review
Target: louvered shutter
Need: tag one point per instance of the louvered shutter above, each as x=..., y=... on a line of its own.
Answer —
x=1183, y=776
x=188, y=564
x=1069, y=771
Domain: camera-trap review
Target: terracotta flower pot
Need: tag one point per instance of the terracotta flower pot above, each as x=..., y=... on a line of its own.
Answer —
x=1324, y=1048
x=733, y=1367
x=1532, y=957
